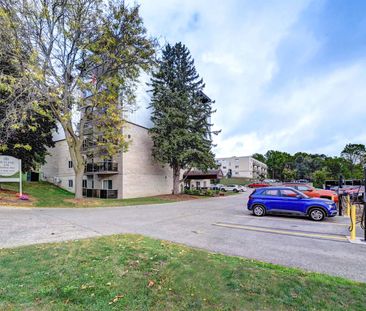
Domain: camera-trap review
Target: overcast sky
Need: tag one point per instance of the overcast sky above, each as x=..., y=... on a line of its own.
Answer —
x=285, y=75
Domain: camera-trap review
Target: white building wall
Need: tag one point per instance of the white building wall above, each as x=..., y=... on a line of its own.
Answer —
x=56, y=170
x=142, y=175
x=139, y=175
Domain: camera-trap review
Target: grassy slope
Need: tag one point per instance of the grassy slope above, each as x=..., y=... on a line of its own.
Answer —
x=130, y=272
x=235, y=181
x=48, y=195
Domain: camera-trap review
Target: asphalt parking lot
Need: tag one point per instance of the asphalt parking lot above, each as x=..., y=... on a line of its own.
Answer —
x=218, y=224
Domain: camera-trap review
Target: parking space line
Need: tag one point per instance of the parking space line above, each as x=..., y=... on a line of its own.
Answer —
x=306, y=221
x=284, y=231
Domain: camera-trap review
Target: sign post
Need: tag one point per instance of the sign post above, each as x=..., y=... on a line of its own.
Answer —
x=11, y=170
x=20, y=178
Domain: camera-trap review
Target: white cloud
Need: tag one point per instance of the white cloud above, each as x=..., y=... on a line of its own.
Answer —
x=322, y=111
x=235, y=46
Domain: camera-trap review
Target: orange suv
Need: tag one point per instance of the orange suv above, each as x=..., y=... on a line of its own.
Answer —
x=314, y=192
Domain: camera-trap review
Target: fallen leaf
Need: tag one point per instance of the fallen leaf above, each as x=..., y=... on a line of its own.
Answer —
x=115, y=299
x=151, y=283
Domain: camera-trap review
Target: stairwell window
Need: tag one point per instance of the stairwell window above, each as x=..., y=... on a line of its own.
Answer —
x=71, y=183
x=70, y=164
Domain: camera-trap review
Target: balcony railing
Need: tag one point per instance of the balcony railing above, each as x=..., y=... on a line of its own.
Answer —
x=102, y=167
x=100, y=193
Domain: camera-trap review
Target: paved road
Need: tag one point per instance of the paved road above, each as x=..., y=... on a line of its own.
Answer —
x=219, y=224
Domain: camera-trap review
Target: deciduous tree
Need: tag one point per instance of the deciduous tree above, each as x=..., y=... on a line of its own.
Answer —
x=25, y=127
x=88, y=56
x=354, y=154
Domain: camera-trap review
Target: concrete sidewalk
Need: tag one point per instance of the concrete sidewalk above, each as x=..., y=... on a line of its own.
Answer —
x=295, y=242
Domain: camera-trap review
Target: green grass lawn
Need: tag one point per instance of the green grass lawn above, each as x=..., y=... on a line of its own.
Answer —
x=48, y=195
x=130, y=272
x=235, y=181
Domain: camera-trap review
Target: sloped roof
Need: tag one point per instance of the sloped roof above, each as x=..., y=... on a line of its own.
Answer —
x=209, y=174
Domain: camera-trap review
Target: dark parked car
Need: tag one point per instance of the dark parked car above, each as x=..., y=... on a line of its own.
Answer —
x=286, y=200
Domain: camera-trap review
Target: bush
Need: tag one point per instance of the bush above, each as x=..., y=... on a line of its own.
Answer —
x=207, y=192
x=210, y=193
x=192, y=191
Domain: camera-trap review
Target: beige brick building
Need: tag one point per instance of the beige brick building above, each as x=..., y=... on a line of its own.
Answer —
x=244, y=167
x=127, y=175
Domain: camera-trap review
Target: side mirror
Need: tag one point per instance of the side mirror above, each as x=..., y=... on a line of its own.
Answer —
x=310, y=190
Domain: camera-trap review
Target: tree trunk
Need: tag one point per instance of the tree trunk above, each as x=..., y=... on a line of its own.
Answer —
x=79, y=173
x=74, y=143
x=176, y=179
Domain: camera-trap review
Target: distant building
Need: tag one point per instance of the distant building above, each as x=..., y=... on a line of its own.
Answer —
x=244, y=167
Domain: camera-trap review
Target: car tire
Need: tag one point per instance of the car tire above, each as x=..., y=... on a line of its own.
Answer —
x=259, y=210
x=223, y=190
x=236, y=190
x=316, y=214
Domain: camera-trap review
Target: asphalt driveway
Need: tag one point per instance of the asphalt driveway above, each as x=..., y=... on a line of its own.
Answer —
x=219, y=224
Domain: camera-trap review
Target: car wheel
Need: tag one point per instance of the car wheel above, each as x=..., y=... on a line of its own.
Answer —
x=317, y=214
x=259, y=210
x=223, y=190
x=235, y=190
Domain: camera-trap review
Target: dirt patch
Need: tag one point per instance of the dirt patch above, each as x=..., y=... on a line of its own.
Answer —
x=9, y=198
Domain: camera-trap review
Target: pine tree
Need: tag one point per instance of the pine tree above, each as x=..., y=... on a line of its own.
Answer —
x=181, y=114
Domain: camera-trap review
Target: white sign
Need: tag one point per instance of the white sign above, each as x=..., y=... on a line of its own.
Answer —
x=8, y=166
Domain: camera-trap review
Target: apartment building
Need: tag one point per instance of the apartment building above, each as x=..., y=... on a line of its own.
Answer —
x=244, y=167
x=127, y=175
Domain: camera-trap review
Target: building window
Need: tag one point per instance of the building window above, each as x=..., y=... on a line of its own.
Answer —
x=236, y=166
x=85, y=183
x=224, y=167
x=71, y=183
x=107, y=184
x=236, y=173
x=70, y=164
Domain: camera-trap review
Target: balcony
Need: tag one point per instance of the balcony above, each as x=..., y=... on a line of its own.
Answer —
x=106, y=167
x=100, y=193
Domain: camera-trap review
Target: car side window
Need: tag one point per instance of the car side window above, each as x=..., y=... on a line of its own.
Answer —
x=271, y=193
x=288, y=193
x=302, y=188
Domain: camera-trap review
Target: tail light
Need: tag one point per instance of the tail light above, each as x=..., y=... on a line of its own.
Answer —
x=251, y=195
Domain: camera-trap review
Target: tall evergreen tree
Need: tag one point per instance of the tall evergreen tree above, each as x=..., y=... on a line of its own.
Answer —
x=181, y=114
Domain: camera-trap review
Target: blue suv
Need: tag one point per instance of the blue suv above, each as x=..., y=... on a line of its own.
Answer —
x=286, y=200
